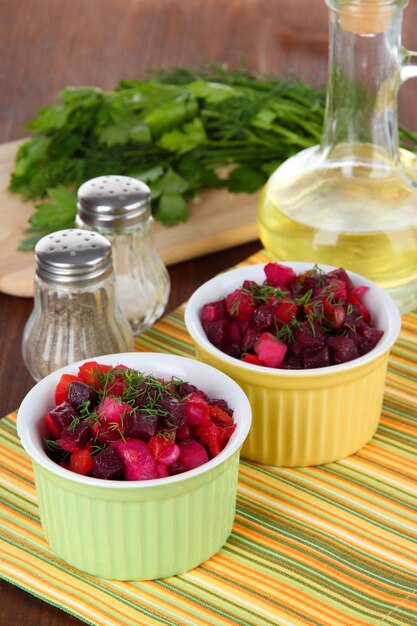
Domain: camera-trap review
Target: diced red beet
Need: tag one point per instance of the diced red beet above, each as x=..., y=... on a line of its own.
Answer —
x=81, y=462
x=197, y=410
x=270, y=350
x=161, y=470
x=232, y=349
x=335, y=314
x=279, y=275
x=90, y=372
x=192, y=454
x=354, y=300
x=79, y=392
x=314, y=308
x=61, y=390
x=286, y=310
x=341, y=274
x=184, y=389
x=214, y=311
x=308, y=282
x=170, y=454
x=250, y=358
x=148, y=392
x=116, y=387
x=140, y=424
x=250, y=337
x=335, y=291
x=107, y=464
x=183, y=433
x=113, y=410
x=62, y=415
x=360, y=291
x=308, y=337
x=354, y=318
x=234, y=333
x=177, y=468
x=369, y=338
x=243, y=326
x=163, y=448
x=76, y=437
x=217, y=332
x=263, y=317
x=291, y=362
x=222, y=404
x=220, y=417
x=137, y=459
x=316, y=358
x=215, y=437
x=52, y=427
x=341, y=349
x=175, y=412
x=240, y=304
x=227, y=433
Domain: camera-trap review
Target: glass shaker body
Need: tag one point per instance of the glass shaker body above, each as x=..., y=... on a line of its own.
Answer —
x=122, y=214
x=74, y=316
x=352, y=200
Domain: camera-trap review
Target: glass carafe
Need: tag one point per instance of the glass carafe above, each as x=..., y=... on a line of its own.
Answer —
x=352, y=200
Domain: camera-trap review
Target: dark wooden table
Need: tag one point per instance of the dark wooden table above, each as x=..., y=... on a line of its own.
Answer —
x=48, y=44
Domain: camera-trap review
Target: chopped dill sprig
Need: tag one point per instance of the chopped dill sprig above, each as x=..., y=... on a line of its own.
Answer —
x=51, y=444
x=168, y=435
x=76, y=419
x=263, y=293
x=132, y=380
x=286, y=332
x=55, y=450
x=176, y=387
x=317, y=273
x=104, y=381
x=305, y=298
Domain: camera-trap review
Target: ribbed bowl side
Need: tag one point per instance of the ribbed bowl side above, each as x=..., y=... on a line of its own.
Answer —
x=331, y=419
x=137, y=537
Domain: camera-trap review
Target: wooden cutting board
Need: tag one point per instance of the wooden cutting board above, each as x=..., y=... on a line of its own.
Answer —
x=218, y=220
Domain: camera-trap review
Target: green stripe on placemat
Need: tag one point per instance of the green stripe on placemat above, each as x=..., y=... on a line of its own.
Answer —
x=334, y=545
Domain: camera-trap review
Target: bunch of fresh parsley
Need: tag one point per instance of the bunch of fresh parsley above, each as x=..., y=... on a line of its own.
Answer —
x=175, y=131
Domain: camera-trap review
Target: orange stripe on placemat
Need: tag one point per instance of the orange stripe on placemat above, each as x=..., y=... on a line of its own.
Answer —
x=292, y=597
x=352, y=519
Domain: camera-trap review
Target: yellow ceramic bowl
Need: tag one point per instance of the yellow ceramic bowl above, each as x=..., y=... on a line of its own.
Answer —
x=304, y=417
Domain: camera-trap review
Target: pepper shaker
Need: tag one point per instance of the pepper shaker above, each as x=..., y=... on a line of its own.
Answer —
x=75, y=314
x=119, y=207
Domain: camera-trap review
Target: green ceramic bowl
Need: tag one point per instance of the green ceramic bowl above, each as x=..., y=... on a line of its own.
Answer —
x=137, y=530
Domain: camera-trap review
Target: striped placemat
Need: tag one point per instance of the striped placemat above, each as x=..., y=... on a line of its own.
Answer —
x=334, y=545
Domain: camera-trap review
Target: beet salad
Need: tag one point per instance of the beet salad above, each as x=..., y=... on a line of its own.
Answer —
x=118, y=423
x=310, y=320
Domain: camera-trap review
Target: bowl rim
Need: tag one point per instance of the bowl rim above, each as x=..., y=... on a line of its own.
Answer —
x=47, y=385
x=234, y=279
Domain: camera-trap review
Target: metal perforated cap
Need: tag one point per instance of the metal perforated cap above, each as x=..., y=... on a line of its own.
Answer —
x=113, y=202
x=73, y=256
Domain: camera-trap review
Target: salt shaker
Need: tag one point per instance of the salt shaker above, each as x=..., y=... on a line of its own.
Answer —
x=119, y=207
x=75, y=314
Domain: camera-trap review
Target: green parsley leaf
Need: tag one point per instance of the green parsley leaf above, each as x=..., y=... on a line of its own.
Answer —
x=171, y=209
x=189, y=137
x=57, y=214
x=170, y=182
x=176, y=131
x=212, y=92
x=245, y=179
